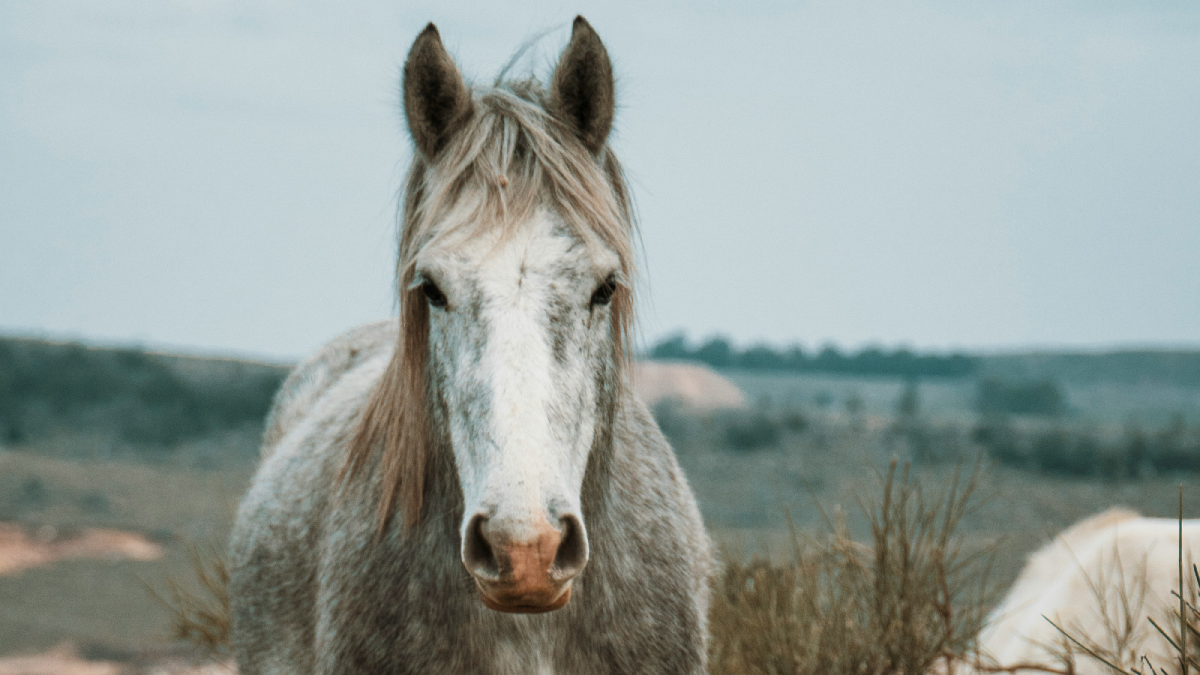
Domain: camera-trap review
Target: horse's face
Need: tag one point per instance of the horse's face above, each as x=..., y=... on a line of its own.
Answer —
x=520, y=349
x=520, y=353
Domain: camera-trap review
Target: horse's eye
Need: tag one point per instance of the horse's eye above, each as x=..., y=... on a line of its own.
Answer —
x=604, y=293
x=433, y=294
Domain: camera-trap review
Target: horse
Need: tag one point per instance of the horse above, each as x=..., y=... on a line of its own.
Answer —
x=472, y=487
x=1101, y=581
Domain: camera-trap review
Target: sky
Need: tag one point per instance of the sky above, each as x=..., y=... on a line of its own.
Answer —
x=221, y=176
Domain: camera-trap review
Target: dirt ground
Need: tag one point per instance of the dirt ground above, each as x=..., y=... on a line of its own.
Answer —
x=20, y=550
x=693, y=385
x=65, y=659
x=84, y=538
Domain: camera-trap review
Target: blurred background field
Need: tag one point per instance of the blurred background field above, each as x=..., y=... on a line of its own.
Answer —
x=976, y=177
x=163, y=446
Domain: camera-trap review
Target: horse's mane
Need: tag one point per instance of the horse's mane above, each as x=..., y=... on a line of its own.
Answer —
x=510, y=157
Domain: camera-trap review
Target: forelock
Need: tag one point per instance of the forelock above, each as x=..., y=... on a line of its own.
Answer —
x=509, y=158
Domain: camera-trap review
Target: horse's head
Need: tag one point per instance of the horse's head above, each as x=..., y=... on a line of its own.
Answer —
x=515, y=265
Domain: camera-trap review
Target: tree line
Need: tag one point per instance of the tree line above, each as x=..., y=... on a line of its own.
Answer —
x=720, y=353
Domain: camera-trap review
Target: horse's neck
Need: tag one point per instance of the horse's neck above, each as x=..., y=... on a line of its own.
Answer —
x=598, y=477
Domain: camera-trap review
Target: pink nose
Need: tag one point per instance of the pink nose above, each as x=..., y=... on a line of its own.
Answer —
x=525, y=574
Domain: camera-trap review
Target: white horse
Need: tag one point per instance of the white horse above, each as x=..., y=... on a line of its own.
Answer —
x=1101, y=581
x=473, y=488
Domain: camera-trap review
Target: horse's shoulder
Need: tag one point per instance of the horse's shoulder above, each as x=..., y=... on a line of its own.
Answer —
x=316, y=375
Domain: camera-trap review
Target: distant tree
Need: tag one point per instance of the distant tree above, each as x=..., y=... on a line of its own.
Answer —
x=829, y=359
x=870, y=360
x=908, y=404
x=673, y=346
x=955, y=365
x=760, y=357
x=823, y=399
x=1137, y=448
x=904, y=362
x=875, y=361
x=795, y=358
x=855, y=405
x=856, y=410
x=749, y=430
x=1044, y=398
x=716, y=352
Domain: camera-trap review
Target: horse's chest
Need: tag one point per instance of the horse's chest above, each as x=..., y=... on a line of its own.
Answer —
x=532, y=656
x=489, y=650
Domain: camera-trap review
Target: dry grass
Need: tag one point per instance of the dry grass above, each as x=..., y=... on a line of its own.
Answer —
x=912, y=600
x=1183, y=634
x=1120, y=649
x=201, y=616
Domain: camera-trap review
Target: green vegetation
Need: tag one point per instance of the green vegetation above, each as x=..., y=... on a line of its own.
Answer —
x=1061, y=450
x=1043, y=397
x=1175, y=368
x=719, y=353
x=735, y=430
x=136, y=397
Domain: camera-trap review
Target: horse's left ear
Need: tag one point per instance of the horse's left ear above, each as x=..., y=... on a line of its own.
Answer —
x=582, y=94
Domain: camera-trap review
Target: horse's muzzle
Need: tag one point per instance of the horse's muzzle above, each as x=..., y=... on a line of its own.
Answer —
x=531, y=573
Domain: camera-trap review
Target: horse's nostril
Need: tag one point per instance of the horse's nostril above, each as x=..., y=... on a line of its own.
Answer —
x=572, y=553
x=477, y=552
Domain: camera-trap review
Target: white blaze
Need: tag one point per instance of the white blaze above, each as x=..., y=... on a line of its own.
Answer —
x=521, y=421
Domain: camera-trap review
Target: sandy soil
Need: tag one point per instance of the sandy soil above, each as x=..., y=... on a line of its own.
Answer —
x=185, y=668
x=19, y=550
x=690, y=384
x=65, y=660
x=61, y=660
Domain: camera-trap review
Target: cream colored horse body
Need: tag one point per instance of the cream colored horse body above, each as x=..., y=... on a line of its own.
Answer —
x=1103, y=577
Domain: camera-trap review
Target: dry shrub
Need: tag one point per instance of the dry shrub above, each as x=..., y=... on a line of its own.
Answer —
x=1119, y=600
x=1183, y=626
x=913, y=600
x=1120, y=645
x=201, y=616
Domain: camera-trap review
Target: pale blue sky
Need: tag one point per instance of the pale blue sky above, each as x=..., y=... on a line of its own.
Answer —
x=222, y=175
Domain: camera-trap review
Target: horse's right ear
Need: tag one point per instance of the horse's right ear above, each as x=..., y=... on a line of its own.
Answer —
x=436, y=100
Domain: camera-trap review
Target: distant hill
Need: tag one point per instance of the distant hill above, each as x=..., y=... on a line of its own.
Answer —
x=134, y=395
x=1179, y=368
